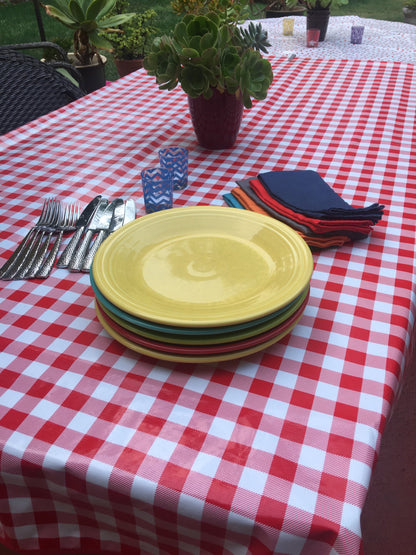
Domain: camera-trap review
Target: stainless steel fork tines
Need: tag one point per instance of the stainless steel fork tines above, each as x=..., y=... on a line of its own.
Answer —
x=67, y=224
x=31, y=242
x=37, y=255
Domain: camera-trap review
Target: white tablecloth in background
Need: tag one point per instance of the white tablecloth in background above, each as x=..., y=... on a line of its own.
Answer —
x=383, y=40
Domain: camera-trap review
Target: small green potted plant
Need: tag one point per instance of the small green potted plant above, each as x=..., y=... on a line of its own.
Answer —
x=130, y=46
x=317, y=13
x=236, y=10
x=219, y=66
x=88, y=19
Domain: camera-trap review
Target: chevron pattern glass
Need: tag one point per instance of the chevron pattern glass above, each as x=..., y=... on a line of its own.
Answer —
x=157, y=189
x=175, y=159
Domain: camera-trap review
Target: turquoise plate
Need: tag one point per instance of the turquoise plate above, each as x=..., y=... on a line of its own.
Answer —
x=164, y=328
x=211, y=339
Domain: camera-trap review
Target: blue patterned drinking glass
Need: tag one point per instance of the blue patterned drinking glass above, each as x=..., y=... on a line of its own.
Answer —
x=175, y=159
x=157, y=189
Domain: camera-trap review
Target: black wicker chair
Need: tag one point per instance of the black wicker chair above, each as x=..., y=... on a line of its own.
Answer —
x=30, y=88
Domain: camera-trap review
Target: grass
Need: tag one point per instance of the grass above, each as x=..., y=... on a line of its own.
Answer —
x=18, y=24
x=389, y=10
x=18, y=21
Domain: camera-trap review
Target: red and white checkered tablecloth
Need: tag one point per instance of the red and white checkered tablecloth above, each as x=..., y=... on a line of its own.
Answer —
x=105, y=450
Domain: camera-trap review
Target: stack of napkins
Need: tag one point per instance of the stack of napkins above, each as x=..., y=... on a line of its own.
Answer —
x=303, y=200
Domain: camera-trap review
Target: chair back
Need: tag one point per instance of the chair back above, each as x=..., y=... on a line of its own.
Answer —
x=30, y=88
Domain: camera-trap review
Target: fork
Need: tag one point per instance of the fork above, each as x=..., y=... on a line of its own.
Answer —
x=14, y=264
x=66, y=224
x=38, y=254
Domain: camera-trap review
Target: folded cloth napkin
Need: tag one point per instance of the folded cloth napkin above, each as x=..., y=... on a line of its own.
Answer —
x=240, y=199
x=233, y=201
x=245, y=189
x=314, y=241
x=315, y=224
x=305, y=192
x=305, y=202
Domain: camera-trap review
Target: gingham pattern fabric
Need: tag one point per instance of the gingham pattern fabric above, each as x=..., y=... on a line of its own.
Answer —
x=106, y=450
x=382, y=40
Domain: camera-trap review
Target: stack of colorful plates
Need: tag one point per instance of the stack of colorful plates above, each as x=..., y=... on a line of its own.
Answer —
x=202, y=283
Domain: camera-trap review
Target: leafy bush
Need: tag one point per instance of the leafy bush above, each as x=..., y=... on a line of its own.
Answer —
x=135, y=38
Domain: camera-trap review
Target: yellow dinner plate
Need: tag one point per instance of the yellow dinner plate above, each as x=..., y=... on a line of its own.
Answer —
x=202, y=266
x=162, y=355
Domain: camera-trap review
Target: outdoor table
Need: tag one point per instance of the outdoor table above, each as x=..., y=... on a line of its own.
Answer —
x=106, y=450
x=383, y=40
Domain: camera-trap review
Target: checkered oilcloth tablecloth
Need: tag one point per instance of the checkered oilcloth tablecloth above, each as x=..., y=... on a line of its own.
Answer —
x=103, y=449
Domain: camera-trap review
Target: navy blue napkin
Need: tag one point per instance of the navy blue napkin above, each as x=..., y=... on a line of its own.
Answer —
x=305, y=192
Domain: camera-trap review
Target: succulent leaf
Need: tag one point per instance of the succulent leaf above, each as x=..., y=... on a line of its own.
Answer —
x=115, y=20
x=190, y=53
x=94, y=8
x=195, y=44
x=62, y=5
x=76, y=11
x=99, y=41
x=180, y=33
x=106, y=7
x=207, y=41
x=56, y=13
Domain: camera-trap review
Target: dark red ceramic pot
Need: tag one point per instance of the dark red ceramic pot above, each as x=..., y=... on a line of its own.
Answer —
x=216, y=121
x=125, y=67
x=318, y=19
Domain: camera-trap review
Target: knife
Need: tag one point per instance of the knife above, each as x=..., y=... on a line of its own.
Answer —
x=95, y=224
x=117, y=209
x=82, y=222
x=130, y=214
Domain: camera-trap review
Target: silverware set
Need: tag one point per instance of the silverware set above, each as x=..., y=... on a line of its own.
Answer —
x=100, y=218
x=36, y=254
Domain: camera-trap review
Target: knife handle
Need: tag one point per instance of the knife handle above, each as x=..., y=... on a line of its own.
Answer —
x=66, y=256
x=77, y=259
x=94, y=248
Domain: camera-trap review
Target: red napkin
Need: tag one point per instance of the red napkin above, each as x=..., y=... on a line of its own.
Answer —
x=316, y=241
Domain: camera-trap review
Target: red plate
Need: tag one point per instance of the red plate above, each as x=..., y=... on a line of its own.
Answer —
x=203, y=349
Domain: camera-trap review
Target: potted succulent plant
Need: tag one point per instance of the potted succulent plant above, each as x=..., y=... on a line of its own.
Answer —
x=279, y=8
x=130, y=46
x=219, y=66
x=409, y=12
x=317, y=13
x=88, y=19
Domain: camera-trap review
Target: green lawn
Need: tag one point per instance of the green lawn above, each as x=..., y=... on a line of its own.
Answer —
x=18, y=21
x=389, y=10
